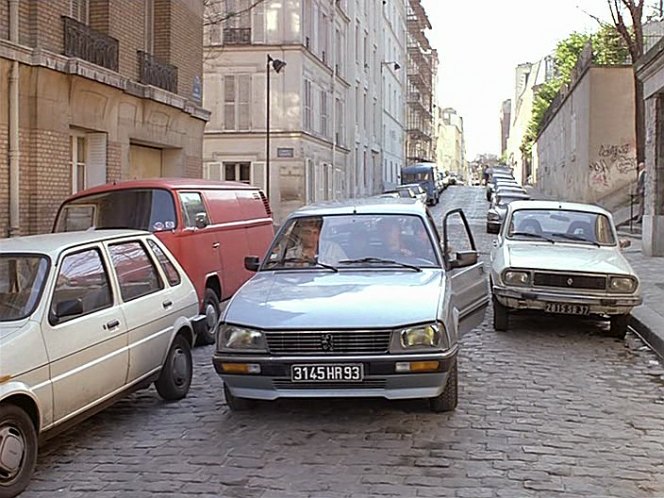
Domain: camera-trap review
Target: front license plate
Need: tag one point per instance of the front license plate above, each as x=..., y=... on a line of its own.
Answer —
x=338, y=372
x=567, y=309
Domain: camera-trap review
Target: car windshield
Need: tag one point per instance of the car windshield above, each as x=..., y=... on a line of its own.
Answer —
x=22, y=279
x=353, y=241
x=139, y=209
x=417, y=177
x=559, y=225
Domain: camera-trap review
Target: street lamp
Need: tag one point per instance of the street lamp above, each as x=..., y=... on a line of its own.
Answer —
x=277, y=65
x=395, y=64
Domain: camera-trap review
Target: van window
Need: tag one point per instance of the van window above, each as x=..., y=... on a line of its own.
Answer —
x=140, y=209
x=420, y=176
x=192, y=204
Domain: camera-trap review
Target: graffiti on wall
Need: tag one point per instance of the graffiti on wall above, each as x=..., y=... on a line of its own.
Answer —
x=611, y=160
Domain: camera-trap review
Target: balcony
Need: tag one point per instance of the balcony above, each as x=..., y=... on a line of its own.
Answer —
x=155, y=73
x=237, y=36
x=85, y=43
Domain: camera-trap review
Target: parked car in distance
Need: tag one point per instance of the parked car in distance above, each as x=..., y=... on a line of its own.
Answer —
x=496, y=213
x=423, y=174
x=417, y=191
x=495, y=180
x=505, y=189
x=209, y=227
x=404, y=193
x=396, y=299
x=562, y=258
x=84, y=318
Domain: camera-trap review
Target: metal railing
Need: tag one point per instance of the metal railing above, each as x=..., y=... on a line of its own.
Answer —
x=156, y=73
x=88, y=44
x=237, y=36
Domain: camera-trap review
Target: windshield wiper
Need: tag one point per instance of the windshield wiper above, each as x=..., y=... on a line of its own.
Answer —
x=311, y=262
x=570, y=236
x=534, y=235
x=379, y=261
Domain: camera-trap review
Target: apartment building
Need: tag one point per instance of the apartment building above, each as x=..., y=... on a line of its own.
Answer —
x=422, y=72
x=93, y=91
x=450, y=142
x=329, y=116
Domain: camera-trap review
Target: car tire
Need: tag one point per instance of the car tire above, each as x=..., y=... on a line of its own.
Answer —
x=236, y=404
x=619, y=324
x=211, y=312
x=17, y=424
x=175, y=377
x=501, y=316
x=448, y=399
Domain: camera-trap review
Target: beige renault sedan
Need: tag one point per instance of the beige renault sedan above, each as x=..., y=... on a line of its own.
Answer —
x=85, y=317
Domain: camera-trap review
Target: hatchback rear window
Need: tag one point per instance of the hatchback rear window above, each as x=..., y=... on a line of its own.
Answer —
x=139, y=209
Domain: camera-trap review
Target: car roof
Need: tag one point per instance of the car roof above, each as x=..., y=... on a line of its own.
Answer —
x=53, y=244
x=512, y=193
x=372, y=205
x=559, y=205
x=419, y=166
x=174, y=183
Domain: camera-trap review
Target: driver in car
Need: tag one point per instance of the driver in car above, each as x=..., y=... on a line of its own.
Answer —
x=310, y=248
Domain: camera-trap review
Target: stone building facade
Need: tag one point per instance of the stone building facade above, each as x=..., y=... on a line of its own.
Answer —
x=93, y=91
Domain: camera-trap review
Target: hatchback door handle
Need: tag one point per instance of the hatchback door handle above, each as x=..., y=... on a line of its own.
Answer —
x=215, y=245
x=112, y=324
x=167, y=304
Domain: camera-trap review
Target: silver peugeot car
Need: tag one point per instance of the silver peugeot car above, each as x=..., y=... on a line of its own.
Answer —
x=356, y=299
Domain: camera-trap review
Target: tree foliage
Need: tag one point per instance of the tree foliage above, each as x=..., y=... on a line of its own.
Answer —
x=608, y=48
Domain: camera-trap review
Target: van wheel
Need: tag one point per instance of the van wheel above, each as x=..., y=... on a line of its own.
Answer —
x=448, y=399
x=236, y=404
x=18, y=442
x=501, y=316
x=211, y=311
x=619, y=324
x=175, y=377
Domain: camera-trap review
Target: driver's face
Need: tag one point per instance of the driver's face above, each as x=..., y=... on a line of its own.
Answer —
x=309, y=235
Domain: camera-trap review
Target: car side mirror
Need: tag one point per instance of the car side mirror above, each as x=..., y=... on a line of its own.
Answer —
x=68, y=307
x=463, y=259
x=252, y=263
x=201, y=220
x=625, y=243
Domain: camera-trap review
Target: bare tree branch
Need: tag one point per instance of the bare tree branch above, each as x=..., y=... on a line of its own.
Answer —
x=217, y=18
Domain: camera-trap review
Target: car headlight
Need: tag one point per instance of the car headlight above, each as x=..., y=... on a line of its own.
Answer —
x=622, y=284
x=242, y=339
x=513, y=277
x=492, y=216
x=430, y=336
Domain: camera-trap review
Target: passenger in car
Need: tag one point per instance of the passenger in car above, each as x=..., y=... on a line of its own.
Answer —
x=393, y=243
x=310, y=248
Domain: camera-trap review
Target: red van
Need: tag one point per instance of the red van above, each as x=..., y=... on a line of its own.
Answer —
x=209, y=226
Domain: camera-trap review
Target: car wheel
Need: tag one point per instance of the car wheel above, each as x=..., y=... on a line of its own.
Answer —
x=619, y=324
x=234, y=403
x=211, y=311
x=175, y=377
x=448, y=399
x=18, y=449
x=501, y=316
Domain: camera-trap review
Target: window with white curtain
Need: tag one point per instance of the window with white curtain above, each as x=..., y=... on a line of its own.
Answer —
x=237, y=102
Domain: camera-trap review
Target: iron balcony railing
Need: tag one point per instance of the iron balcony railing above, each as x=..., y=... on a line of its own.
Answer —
x=88, y=44
x=156, y=73
x=237, y=36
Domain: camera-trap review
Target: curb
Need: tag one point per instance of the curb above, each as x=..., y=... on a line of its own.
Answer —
x=650, y=327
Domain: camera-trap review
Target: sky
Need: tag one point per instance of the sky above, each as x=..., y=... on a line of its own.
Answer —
x=480, y=42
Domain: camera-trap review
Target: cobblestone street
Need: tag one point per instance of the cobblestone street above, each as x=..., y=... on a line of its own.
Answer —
x=554, y=407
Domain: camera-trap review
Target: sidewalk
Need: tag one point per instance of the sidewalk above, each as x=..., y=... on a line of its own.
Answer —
x=647, y=319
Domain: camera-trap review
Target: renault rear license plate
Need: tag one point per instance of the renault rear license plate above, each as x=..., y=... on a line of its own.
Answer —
x=328, y=372
x=567, y=309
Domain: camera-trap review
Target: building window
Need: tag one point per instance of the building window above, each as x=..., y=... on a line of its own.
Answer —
x=78, y=152
x=322, y=42
x=149, y=26
x=237, y=104
x=237, y=24
x=237, y=172
x=79, y=10
x=323, y=113
x=307, y=105
x=340, y=122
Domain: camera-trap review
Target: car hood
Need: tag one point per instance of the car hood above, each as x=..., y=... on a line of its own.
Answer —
x=347, y=299
x=568, y=257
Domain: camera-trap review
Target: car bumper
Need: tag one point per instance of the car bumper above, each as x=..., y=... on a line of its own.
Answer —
x=536, y=299
x=380, y=377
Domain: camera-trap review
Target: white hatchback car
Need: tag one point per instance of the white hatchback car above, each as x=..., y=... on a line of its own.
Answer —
x=563, y=258
x=84, y=318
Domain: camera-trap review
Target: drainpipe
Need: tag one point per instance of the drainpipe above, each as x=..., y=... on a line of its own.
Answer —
x=14, y=218
x=335, y=56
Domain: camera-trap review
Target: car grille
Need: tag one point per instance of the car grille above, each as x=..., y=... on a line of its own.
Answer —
x=569, y=281
x=350, y=342
x=365, y=384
